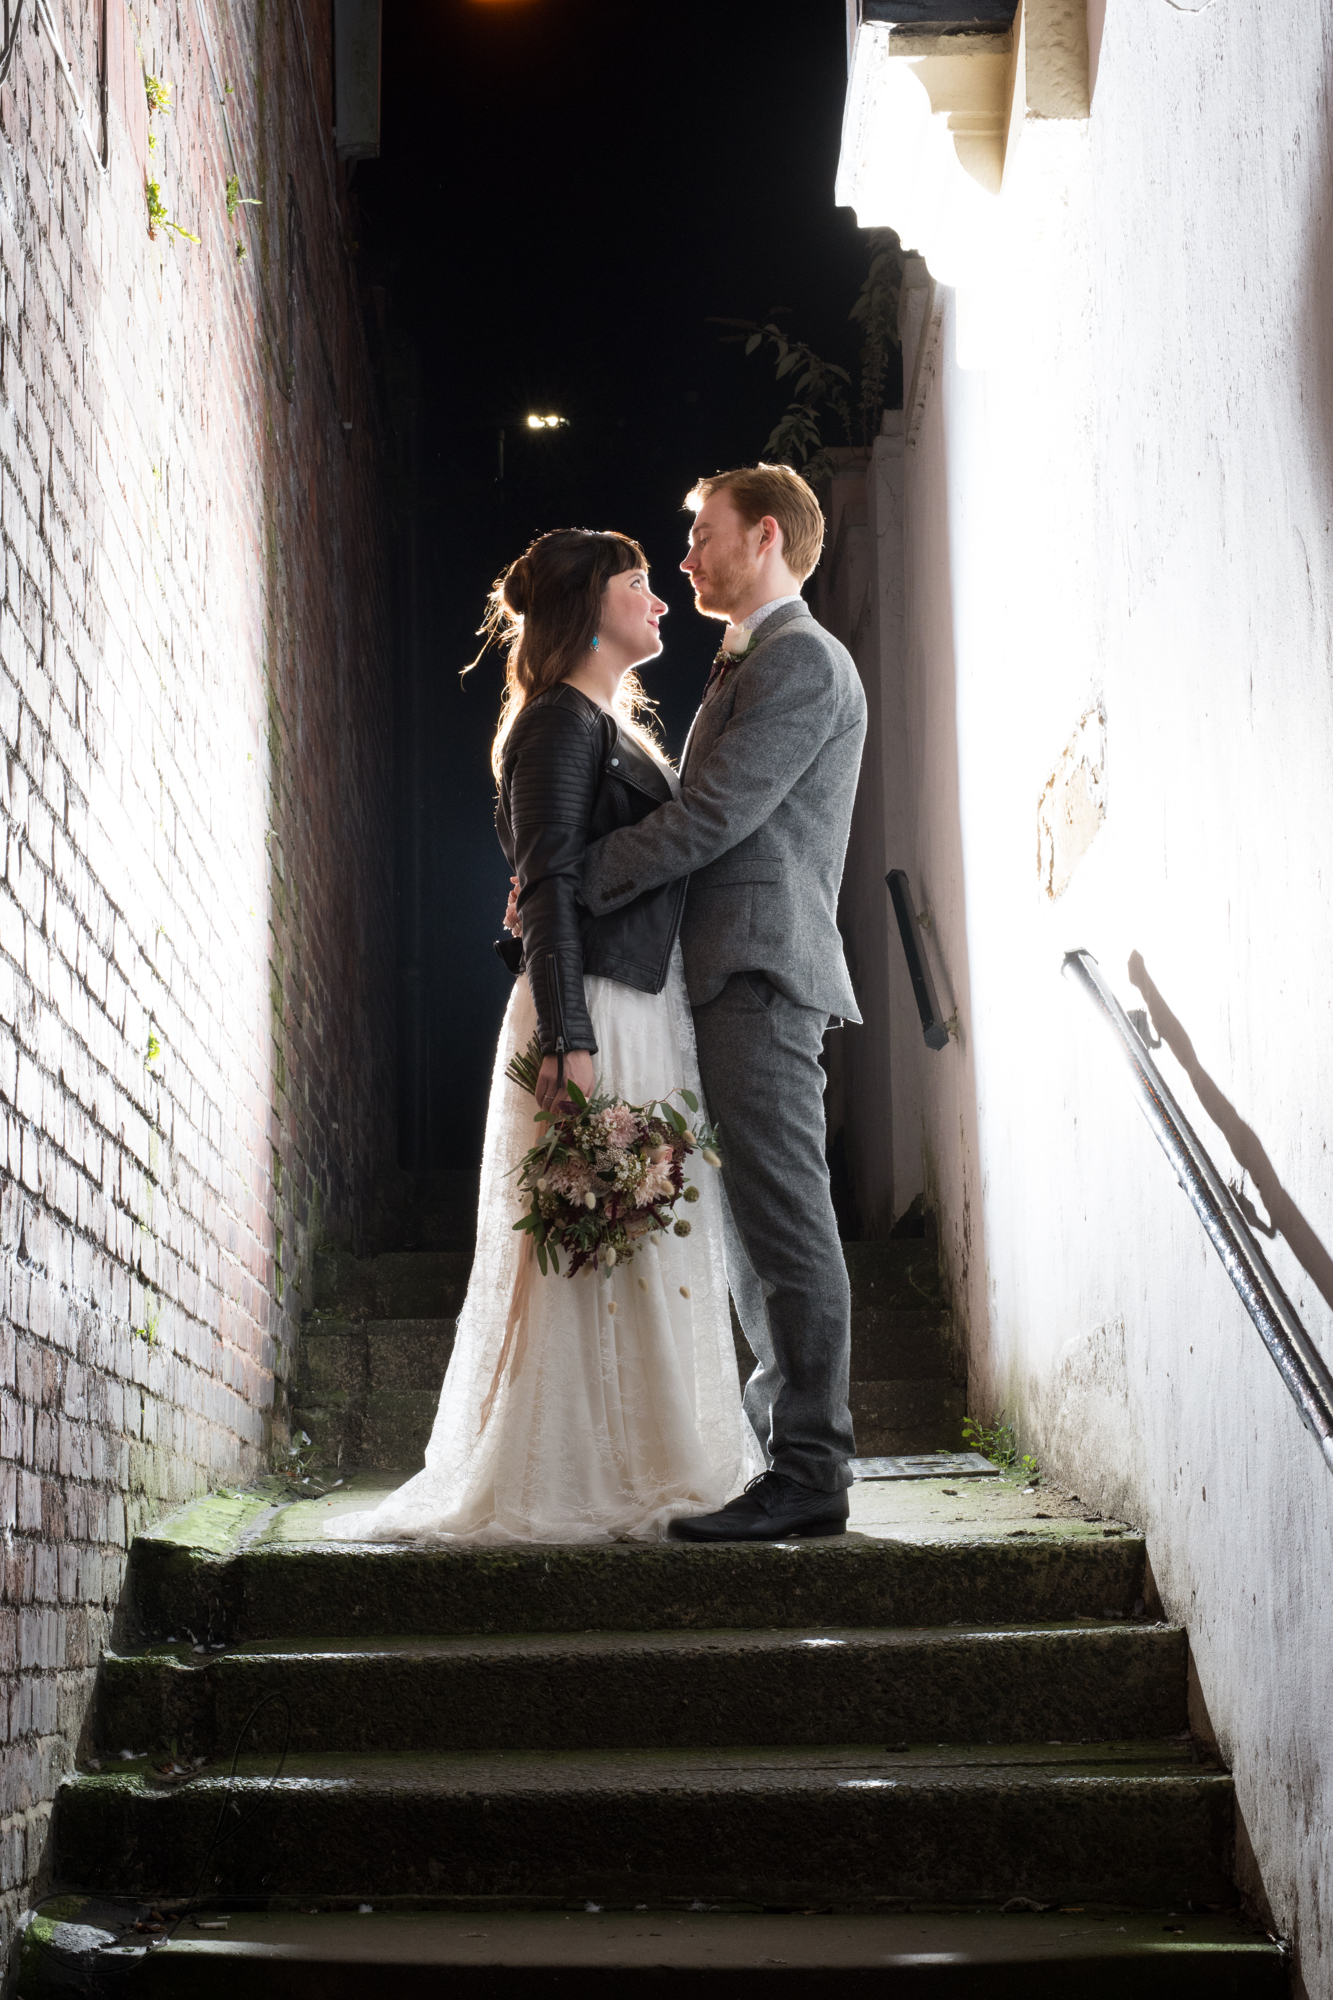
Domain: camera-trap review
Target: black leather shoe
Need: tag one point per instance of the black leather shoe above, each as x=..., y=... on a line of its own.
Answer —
x=773, y=1508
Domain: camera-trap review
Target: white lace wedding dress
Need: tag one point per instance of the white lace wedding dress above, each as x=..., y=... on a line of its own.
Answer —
x=585, y=1424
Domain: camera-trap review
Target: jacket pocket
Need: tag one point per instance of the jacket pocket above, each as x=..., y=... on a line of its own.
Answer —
x=754, y=860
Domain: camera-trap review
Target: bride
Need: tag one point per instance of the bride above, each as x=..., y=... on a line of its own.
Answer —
x=600, y=1406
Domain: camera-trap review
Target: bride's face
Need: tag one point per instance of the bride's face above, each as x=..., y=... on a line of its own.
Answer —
x=630, y=619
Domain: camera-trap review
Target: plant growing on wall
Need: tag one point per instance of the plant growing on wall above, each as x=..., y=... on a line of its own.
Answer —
x=823, y=390
x=235, y=200
x=157, y=214
x=158, y=94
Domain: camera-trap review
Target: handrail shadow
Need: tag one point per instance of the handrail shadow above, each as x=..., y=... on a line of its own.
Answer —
x=1246, y=1146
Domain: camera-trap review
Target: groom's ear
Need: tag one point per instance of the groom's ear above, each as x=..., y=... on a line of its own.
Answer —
x=770, y=536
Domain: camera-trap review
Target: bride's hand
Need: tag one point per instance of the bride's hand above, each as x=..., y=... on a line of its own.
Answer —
x=578, y=1070
x=513, y=921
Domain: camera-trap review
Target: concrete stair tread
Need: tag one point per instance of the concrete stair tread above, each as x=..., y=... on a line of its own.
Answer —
x=656, y=1689
x=326, y=1589
x=1092, y=1632
x=763, y=1767
x=774, y=1824
x=490, y=1950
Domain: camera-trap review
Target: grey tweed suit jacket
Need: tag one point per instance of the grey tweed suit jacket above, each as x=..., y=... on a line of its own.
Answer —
x=761, y=824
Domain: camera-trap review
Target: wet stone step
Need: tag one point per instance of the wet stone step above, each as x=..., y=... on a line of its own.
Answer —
x=1119, y=1822
x=345, y=1955
x=657, y=1690
x=332, y=1590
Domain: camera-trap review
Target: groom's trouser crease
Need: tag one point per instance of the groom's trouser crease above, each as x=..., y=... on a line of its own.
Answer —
x=759, y=1064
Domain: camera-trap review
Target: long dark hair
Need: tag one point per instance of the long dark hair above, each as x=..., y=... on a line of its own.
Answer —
x=545, y=609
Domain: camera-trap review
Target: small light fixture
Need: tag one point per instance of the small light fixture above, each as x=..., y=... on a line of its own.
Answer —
x=547, y=423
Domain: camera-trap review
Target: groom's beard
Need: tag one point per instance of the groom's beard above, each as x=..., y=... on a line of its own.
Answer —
x=727, y=582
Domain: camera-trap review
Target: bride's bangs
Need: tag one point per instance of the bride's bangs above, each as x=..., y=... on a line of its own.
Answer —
x=543, y=611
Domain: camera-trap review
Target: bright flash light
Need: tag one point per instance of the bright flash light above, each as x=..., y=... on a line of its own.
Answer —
x=546, y=423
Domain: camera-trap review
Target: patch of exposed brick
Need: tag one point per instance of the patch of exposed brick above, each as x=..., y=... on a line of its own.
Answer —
x=195, y=904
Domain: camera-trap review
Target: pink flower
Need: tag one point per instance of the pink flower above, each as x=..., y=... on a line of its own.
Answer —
x=571, y=1178
x=656, y=1185
x=620, y=1126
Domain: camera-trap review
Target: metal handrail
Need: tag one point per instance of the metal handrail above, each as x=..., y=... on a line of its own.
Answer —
x=933, y=1026
x=1298, y=1361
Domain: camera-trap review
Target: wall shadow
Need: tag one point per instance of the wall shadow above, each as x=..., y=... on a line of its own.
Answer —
x=1245, y=1143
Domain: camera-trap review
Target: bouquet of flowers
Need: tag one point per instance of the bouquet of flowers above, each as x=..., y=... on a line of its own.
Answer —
x=607, y=1174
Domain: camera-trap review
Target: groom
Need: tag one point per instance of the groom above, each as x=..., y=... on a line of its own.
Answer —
x=760, y=827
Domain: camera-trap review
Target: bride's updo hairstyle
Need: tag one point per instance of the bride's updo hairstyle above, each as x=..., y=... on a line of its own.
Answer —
x=545, y=610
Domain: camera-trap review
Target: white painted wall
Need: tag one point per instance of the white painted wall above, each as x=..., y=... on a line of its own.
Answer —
x=1131, y=502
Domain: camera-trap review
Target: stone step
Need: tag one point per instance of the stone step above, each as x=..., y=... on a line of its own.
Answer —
x=432, y=1210
x=656, y=1690
x=344, y=1954
x=373, y=1353
x=894, y=1419
x=353, y=1400
x=366, y=1390
x=400, y=1284
x=326, y=1590
x=1123, y=1822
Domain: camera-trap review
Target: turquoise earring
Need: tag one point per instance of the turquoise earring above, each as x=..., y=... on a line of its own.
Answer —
x=594, y=642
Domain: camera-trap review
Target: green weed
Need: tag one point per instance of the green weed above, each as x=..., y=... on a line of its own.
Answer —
x=999, y=1443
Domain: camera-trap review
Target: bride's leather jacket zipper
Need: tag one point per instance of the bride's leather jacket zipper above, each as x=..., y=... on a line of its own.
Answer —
x=558, y=1016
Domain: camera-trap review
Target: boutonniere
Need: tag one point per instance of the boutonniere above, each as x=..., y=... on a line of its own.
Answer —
x=738, y=642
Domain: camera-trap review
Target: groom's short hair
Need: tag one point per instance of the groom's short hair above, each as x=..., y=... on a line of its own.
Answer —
x=757, y=490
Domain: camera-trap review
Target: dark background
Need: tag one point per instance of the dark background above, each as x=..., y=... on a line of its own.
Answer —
x=567, y=190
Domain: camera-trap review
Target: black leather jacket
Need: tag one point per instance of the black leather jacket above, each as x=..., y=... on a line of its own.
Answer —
x=570, y=775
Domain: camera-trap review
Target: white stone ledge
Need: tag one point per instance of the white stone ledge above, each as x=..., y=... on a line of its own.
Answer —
x=935, y=114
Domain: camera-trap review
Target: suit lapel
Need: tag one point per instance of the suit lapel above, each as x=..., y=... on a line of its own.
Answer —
x=711, y=715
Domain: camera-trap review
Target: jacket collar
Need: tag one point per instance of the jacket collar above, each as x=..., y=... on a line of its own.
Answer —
x=776, y=620
x=627, y=761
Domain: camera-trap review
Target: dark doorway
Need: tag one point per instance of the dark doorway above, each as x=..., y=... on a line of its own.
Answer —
x=568, y=189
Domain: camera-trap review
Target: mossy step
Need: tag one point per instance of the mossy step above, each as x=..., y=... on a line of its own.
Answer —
x=656, y=1690
x=367, y=1390
x=400, y=1284
x=325, y=1589
x=504, y=1954
x=353, y=1357
x=1130, y=1822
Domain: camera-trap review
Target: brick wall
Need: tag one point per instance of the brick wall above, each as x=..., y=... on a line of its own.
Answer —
x=195, y=917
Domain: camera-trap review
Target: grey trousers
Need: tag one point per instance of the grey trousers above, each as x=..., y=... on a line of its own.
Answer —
x=759, y=1065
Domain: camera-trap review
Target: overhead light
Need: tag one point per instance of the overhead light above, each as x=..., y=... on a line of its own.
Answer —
x=547, y=423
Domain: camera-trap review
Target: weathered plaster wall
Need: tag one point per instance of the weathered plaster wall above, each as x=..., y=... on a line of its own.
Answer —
x=195, y=921
x=1129, y=503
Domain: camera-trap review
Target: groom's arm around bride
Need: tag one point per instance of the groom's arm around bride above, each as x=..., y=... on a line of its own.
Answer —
x=767, y=787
